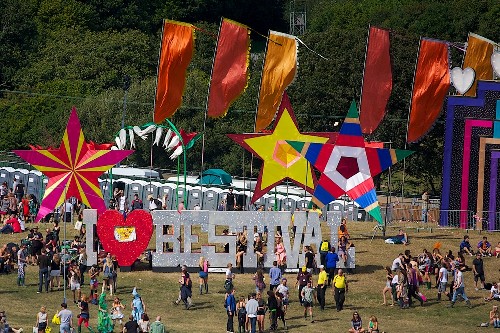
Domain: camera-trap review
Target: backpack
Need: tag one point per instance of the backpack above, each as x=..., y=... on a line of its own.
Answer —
x=242, y=312
x=228, y=285
x=225, y=303
x=158, y=204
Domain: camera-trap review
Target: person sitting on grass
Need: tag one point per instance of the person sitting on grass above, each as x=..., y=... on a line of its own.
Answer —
x=494, y=293
x=356, y=323
x=497, y=250
x=484, y=247
x=465, y=246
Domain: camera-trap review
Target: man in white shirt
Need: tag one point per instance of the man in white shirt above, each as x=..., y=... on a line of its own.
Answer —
x=397, y=263
x=251, y=308
x=283, y=290
x=494, y=293
x=443, y=280
x=458, y=287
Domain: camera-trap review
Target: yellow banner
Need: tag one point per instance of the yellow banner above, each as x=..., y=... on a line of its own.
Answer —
x=478, y=57
x=280, y=67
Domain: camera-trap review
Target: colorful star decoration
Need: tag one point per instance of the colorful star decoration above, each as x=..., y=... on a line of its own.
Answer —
x=73, y=169
x=348, y=166
x=280, y=161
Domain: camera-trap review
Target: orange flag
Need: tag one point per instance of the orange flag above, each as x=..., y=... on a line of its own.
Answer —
x=431, y=84
x=177, y=46
x=280, y=67
x=230, y=68
x=478, y=57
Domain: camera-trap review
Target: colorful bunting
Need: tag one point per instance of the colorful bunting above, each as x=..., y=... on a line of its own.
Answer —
x=175, y=55
x=73, y=168
x=230, y=68
x=431, y=84
x=279, y=160
x=280, y=67
x=478, y=57
x=377, y=80
x=349, y=165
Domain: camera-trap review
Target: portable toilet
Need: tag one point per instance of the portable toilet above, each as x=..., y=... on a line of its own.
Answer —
x=20, y=174
x=137, y=186
x=180, y=195
x=5, y=177
x=260, y=202
x=274, y=201
x=169, y=190
x=151, y=189
x=211, y=198
x=34, y=183
x=288, y=203
x=351, y=211
x=243, y=198
x=195, y=197
x=302, y=204
x=105, y=186
x=361, y=216
x=336, y=206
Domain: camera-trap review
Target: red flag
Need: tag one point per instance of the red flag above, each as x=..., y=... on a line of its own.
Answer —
x=377, y=80
x=175, y=55
x=431, y=84
x=230, y=68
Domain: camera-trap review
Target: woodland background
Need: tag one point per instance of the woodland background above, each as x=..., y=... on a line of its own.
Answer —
x=60, y=53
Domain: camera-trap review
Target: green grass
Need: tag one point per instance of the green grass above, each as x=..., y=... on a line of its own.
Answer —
x=160, y=289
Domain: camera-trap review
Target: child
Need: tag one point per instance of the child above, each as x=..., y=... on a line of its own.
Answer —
x=242, y=314
x=373, y=325
x=116, y=312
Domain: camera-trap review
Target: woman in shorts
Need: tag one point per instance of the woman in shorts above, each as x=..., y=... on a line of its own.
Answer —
x=74, y=282
x=203, y=274
x=42, y=320
x=261, y=312
x=94, y=283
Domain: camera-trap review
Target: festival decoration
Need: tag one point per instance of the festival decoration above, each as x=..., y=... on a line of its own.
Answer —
x=377, y=80
x=73, y=168
x=462, y=80
x=176, y=50
x=182, y=240
x=125, y=238
x=280, y=68
x=495, y=62
x=478, y=56
x=431, y=84
x=348, y=166
x=230, y=67
x=472, y=137
x=280, y=161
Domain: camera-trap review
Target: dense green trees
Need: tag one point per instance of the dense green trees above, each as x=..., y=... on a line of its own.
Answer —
x=57, y=53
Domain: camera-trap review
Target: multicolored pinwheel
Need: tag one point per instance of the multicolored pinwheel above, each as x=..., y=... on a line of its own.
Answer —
x=280, y=161
x=348, y=166
x=73, y=168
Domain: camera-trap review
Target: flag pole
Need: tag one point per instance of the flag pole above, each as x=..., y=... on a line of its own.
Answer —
x=202, y=167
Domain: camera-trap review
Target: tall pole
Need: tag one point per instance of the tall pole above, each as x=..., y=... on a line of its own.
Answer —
x=388, y=197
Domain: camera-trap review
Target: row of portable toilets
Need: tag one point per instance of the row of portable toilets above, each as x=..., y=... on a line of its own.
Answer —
x=207, y=198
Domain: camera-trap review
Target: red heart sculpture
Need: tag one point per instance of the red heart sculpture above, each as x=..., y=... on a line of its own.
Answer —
x=126, y=239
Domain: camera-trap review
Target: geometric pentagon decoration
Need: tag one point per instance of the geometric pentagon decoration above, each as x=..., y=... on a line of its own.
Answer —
x=73, y=169
x=349, y=165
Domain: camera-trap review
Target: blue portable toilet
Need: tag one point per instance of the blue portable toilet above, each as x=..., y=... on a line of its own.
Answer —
x=151, y=189
x=273, y=201
x=260, y=202
x=5, y=176
x=242, y=198
x=336, y=206
x=302, y=204
x=105, y=186
x=211, y=198
x=351, y=211
x=20, y=174
x=136, y=186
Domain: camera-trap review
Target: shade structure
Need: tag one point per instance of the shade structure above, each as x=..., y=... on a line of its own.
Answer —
x=215, y=177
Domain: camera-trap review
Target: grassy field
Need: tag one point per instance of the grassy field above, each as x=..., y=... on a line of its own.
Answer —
x=365, y=285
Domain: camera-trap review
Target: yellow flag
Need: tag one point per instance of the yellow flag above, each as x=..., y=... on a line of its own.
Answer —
x=478, y=57
x=280, y=67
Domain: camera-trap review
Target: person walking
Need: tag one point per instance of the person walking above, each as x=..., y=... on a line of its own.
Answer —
x=21, y=265
x=443, y=280
x=84, y=316
x=302, y=278
x=66, y=317
x=43, y=271
x=308, y=295
x=157, y=326
x=274, y=276
x=340, y=289
x=321, y=287
x=478, y=270
x=231, y=310
x=203, y=274
x=331, y=260
x=413, y=286
x=251, y=309
x=458, y=287
x=272, y=305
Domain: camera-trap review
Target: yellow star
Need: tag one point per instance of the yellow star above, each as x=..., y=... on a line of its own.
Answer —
x=280, y=161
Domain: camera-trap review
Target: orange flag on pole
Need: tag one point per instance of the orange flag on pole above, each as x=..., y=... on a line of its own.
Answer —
x=478, y=57
x=280, y=67
x=431, y=84
x=176, y=51
x=230, y=68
